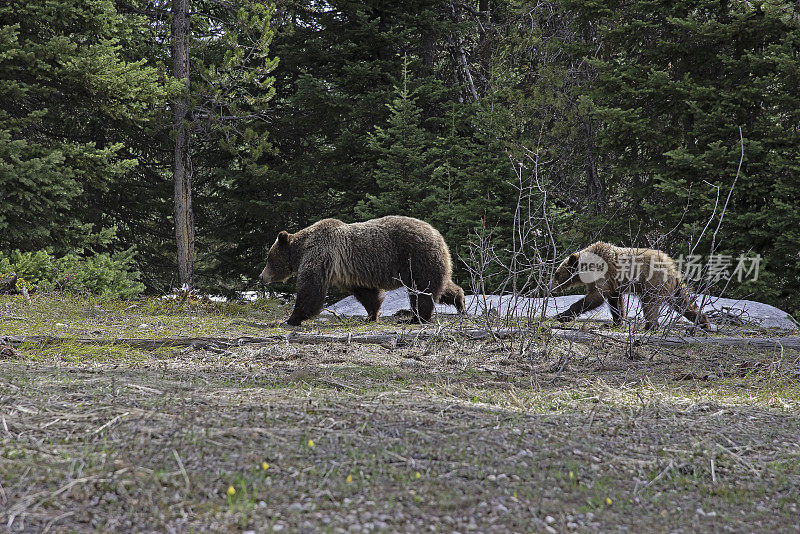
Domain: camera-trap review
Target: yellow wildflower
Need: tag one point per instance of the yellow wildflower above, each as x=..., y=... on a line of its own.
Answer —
x=231, y=491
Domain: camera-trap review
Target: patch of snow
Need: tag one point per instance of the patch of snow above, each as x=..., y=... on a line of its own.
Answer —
x=748, y=311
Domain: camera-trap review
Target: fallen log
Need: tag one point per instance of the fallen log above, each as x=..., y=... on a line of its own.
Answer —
x=394, y=339
x=786, y=342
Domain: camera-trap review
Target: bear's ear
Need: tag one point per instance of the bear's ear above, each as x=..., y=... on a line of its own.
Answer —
x=283, y=237
x=573, y=259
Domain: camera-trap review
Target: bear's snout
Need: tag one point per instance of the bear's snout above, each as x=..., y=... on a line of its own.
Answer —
x=556, y=282
x=265, y=276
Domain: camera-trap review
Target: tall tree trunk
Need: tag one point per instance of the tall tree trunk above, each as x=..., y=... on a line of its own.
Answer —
x=485, y=18
x=182, y=171
x=597, y=189
x=460, y=64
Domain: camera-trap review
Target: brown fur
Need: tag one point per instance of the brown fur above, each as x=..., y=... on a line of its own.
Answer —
x=454, y=296
x=655, y=279
x=364, y=258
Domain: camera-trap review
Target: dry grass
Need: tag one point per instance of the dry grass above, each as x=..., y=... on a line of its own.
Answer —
x=443, y=436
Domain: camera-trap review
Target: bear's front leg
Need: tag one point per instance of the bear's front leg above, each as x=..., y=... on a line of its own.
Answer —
x=592, y=300
x=312, y=286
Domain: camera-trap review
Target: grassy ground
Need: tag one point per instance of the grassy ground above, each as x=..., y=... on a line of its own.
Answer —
x=536, y=435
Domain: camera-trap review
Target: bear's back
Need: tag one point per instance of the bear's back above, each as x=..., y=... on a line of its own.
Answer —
x=373, y=253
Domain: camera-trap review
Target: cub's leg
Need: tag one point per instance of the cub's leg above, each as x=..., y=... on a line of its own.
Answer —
x=616, y=304
x=650, y=306
x=311, y=290
x=683, y=304
x=592, y=300
x=693, y=313
x=371, y=299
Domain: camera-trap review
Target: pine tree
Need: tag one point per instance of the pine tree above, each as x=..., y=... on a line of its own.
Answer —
x=402, y=166
x=235, y=80
x=66, y=91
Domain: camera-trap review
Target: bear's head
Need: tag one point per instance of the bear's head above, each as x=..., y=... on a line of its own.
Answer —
x=279, y=260
x=566, y=275
x=580, y=268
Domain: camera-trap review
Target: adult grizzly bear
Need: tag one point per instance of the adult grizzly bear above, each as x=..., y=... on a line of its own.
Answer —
x=609, y=271
x=364, y=258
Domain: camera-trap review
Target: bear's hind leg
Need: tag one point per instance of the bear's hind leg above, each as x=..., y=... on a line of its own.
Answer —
x=421, y=307
x=371, y=299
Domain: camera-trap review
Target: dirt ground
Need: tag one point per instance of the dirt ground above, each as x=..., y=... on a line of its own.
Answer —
x=534, y=435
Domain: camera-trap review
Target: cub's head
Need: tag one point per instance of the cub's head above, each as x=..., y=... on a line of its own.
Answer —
x=566, y=275
x=279, y=264
x=579, y=268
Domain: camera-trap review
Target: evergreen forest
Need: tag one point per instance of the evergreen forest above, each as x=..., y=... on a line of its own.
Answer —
x=514, y=127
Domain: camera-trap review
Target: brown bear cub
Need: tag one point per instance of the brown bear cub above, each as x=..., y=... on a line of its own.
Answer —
x=609, y=271
x=365, y=258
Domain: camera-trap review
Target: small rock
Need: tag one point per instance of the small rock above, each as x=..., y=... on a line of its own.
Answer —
x=277, y=527
x=549, y=519
x=501, y=509
x=572, y=525
x=550, y=530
